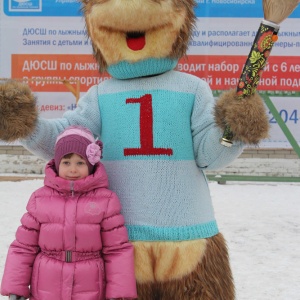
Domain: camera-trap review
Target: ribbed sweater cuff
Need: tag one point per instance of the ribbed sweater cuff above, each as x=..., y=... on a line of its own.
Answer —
x=151, y=233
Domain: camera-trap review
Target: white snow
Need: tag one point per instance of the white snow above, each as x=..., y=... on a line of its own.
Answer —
x=260, y=221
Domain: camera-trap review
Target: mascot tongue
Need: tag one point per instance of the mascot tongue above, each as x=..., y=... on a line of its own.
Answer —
x=136, y=43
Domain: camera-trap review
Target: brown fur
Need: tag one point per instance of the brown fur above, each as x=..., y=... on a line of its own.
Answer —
x=211, y=280
x=247, y=118
x=164, y=261
x=18, y=113
x=181, y=44
x=104, y=36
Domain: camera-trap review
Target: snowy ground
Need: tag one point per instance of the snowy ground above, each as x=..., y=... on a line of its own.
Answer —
x=261, y=223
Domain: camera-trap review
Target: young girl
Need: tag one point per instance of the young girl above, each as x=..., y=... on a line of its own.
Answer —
x=72, y=243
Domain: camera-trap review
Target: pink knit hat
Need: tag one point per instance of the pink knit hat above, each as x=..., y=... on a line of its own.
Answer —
x=78, y=140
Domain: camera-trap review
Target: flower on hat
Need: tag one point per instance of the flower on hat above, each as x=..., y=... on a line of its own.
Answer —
x=93, y=153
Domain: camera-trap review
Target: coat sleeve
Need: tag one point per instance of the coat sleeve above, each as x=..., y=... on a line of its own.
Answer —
x=118, y=253
x=21, y=255
x=208, y=151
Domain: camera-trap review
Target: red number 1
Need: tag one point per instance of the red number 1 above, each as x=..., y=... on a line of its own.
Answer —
x=146, y=129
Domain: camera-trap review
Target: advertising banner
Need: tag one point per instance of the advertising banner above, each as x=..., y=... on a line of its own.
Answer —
x=44, y=42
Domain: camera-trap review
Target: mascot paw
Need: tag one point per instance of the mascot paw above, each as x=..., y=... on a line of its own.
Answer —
x=246, y=117
x=18, y=113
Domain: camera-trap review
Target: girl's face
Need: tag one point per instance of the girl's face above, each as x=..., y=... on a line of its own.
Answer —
x=73, y=167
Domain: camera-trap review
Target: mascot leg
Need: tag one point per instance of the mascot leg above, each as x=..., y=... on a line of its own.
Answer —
x=195, y=270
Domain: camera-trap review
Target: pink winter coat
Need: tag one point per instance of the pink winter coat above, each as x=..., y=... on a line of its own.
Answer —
x=72, y=243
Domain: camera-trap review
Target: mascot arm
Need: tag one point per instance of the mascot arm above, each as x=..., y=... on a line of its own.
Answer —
x=18, y=113
x=41, y=142
x=246, y=117
x=209, y=153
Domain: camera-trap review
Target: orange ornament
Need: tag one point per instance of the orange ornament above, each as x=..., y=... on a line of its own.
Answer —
x=274, y=38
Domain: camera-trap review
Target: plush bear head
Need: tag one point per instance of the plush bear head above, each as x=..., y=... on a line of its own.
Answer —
x=134, y=38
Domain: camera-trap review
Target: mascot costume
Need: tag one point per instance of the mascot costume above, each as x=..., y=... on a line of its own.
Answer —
x=161, y=131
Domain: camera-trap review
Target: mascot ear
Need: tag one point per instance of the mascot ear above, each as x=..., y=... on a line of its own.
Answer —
x=85, y=5
x=18, y=112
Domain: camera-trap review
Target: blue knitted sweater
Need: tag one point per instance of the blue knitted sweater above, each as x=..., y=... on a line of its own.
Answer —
x=159, y=137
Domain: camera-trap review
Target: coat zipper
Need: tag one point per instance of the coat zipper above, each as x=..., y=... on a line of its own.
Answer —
x=68, y=253
x=72, y=188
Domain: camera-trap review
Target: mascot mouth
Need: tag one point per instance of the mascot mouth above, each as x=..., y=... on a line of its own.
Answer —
x=135, y=40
